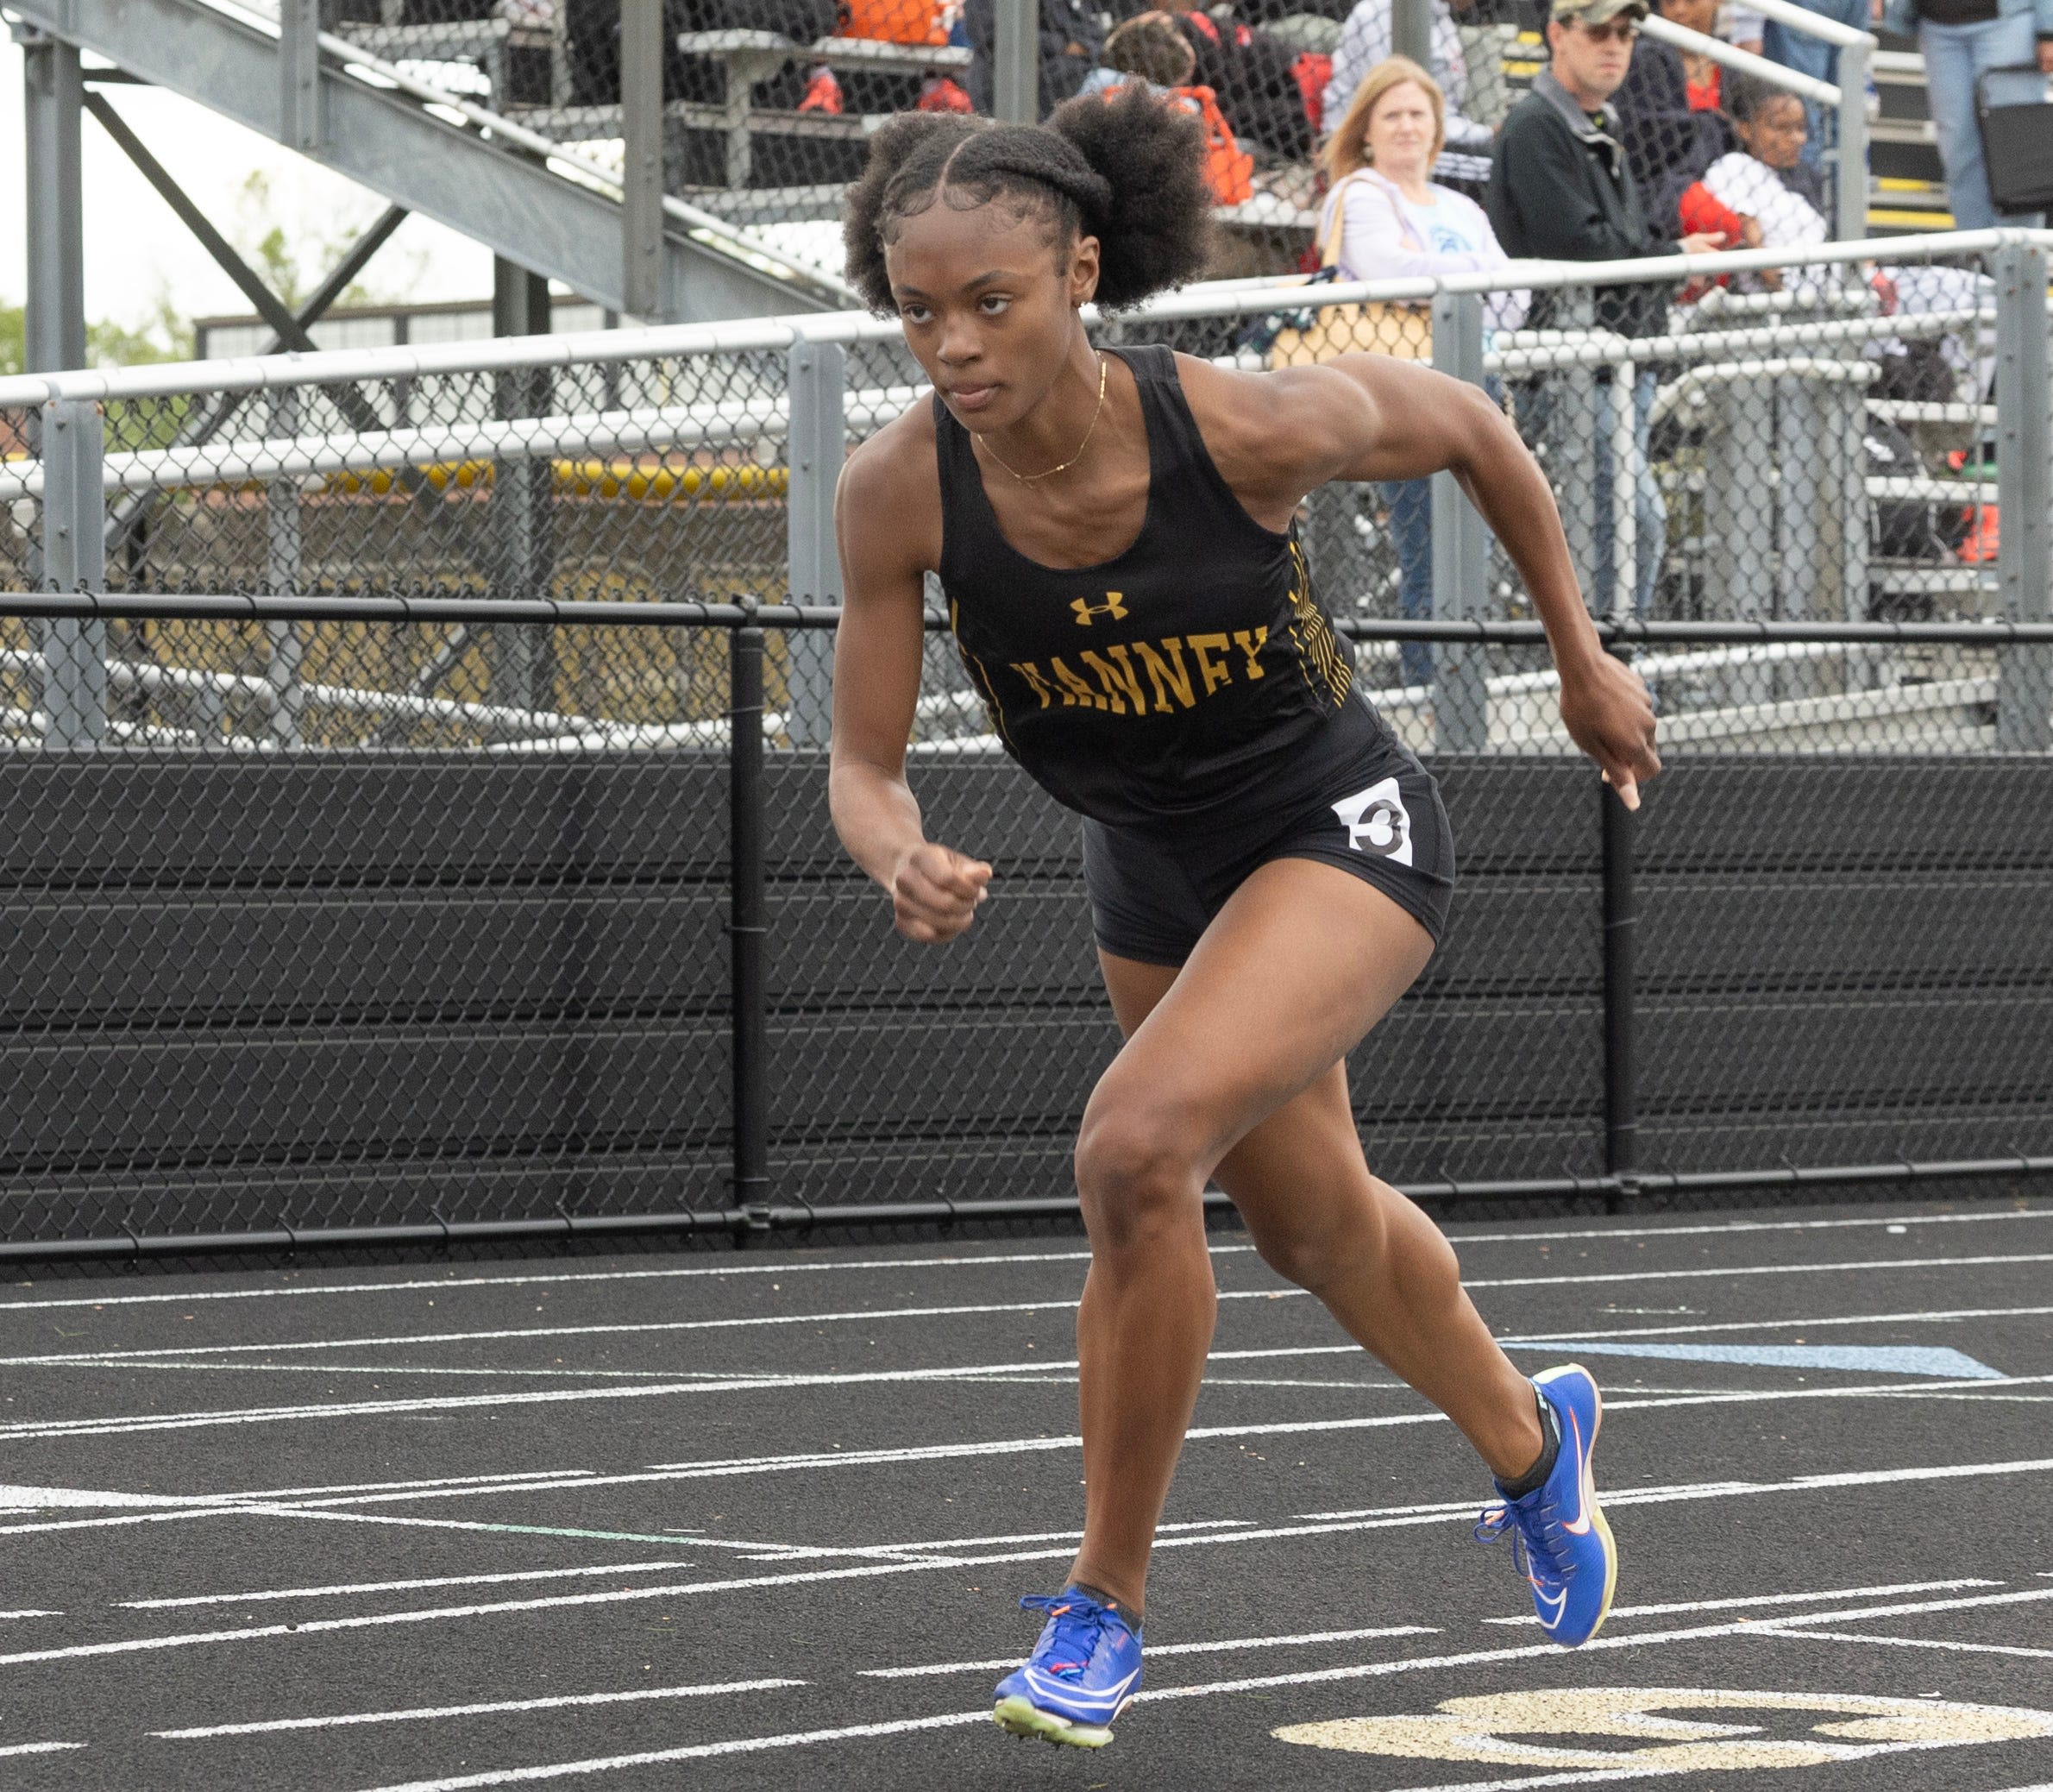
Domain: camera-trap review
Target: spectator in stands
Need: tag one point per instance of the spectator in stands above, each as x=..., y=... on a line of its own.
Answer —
x=1671, y=134
x=1561, y=188
x=1763, y=194
x=1703, y=79
x=1369, y=37
x=1252, y=74
x=1765, y=191
x=1149, y=49
x=1961, y=39
x=1814, y=57
x=1383, y=218
x=1068, y=50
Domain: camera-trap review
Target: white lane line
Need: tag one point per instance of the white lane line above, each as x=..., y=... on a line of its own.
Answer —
x=756, y=1745
x=167, y=1353
x=800, y=1266
x=383, y=1341
x=1158, y=1650
x=40, y=1497
x=31, y=1613
x=1927, y=1317
x=1402, y=1516
x=1858, y=1266
x=799, y=1552
x=1836, y=1636
x=414, y=1714
x=133, y=1424
x=349, y=1589
x=1771, y=1599
x=742, y=1466
x=39, y=1748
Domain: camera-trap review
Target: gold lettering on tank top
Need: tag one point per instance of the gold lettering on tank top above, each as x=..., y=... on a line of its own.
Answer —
x=1170, y=682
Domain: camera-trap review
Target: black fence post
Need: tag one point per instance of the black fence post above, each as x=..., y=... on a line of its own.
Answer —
x=746, y=927
x=1621, y=1062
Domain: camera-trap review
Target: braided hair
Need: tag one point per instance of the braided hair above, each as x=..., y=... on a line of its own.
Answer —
x=1128, y=170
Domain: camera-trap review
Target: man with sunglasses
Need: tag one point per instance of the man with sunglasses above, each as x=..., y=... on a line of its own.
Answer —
x=1560, y=189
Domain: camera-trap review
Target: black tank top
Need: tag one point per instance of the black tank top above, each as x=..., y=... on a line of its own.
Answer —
x=1184, y=678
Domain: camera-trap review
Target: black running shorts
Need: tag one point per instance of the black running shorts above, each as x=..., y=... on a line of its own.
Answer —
x=1378, y=819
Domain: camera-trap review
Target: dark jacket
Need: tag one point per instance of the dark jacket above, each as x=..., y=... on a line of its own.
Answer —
x=1667, y=145
x=1561, y=193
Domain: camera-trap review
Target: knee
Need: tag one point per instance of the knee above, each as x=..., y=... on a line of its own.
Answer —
x=1135, y=1175
x=1314, y=1246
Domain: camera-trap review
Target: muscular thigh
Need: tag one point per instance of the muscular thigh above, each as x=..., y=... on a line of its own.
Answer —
x=1294, y=970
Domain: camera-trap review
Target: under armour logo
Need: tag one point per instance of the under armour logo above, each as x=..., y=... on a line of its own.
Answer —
x=1114, y=606
x=1376, y=821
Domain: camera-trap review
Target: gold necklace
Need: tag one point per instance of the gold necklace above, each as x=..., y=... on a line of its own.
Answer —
x=1028, y=478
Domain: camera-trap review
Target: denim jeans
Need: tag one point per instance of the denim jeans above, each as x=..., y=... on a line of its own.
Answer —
x=1411, y=502
x=1650, y=511
x=1954, y=56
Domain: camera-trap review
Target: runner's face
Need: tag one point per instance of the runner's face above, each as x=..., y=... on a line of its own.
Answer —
x=988, y=306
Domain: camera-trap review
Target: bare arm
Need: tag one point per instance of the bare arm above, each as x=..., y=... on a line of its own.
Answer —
x=1372, y=417
x=934, y=891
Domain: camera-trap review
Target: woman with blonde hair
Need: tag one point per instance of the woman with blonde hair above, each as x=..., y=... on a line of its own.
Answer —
x=1385, y=219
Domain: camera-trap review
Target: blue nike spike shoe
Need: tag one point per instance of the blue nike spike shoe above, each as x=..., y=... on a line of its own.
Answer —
x=1083, y=1673
x=1559, y=1537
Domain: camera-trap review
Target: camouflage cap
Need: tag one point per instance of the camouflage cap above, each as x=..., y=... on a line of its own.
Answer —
x=1599, y=12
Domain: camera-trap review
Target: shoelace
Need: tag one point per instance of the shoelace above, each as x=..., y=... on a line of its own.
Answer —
x=1534, y=1536
x=1077, y=1622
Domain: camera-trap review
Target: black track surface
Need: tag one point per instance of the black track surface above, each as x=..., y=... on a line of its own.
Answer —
x=696, y=1472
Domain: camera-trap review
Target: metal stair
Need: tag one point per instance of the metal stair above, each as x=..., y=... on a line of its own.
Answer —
x=534, y=202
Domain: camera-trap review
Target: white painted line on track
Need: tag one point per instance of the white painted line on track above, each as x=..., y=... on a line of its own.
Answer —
x=39, y=1748
x=348, y=1590
x=741, y=1466
x=756, y=1745
x=37, y=1431
x=1398, y=1516
x=790, y=1265
x=1770, y=1598
x=31, y=1613
x=1835, y=1635
x=414, y=1714
x=795, y=1552
x=797, y=1265
x=1927, y=1317
x=1156, y=1651
x=170, y=1352
x=515, y=1334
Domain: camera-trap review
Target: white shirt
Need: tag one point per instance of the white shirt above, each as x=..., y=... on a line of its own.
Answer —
x=1787, y=219
x=1386, y=235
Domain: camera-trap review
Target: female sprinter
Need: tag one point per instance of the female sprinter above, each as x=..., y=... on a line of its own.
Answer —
x=1268, y=867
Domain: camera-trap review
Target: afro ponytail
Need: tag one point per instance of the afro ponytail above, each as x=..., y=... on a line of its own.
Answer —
x=1129, y=171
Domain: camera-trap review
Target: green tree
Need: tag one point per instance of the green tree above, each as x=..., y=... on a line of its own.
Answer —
x=163, y=337
x=293, y=264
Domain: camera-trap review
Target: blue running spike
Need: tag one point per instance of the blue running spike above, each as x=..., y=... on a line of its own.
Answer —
x=1084, y=1671
x=1559, y=1537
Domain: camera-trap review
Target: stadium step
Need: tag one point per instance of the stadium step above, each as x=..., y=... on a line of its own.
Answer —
x=436, y=159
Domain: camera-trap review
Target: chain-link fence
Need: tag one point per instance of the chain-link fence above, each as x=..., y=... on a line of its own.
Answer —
x=434, y=886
